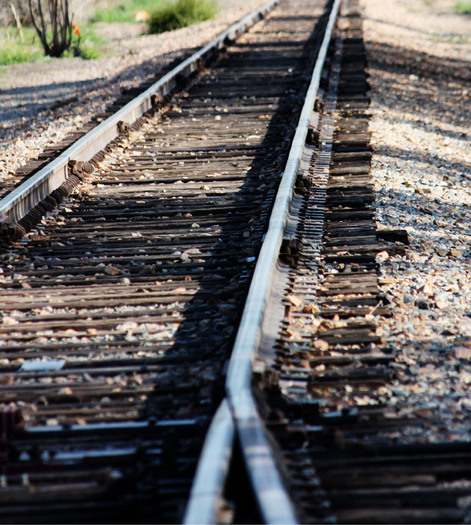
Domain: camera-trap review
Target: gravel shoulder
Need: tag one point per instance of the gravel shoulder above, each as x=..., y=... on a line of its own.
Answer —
x=419, y=63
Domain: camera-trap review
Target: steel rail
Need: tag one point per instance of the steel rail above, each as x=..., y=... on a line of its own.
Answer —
x=242, y=415
x=274, y=503
x=16, y=204
x=208, y=484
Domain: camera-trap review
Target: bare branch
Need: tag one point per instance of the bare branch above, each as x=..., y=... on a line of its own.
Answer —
x=53, y=19
x=18, y=21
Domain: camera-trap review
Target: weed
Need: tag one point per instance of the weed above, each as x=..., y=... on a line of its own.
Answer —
x=181, y=13
x=88, y=43
x=451, y=39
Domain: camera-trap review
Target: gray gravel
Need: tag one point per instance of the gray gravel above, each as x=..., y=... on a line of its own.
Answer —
x=419, y=62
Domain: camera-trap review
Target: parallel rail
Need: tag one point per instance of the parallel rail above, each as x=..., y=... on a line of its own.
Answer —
x=323, y=378
x=275, y=504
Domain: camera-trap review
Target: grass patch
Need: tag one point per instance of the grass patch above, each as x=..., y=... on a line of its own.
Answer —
x=88, y=53
x=90, y=43
x=181, y=13
x=14, y=51
x=124, y=11
x=89, y=37
x=463, y=8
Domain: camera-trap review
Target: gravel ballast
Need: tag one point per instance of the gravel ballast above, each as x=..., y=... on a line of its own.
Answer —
x=419, y=63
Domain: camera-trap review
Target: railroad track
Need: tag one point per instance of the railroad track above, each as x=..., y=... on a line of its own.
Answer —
x=191, y=336
x=121, y=305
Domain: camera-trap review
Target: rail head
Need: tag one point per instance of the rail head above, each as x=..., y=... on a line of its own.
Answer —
x=16, y=204
x=275, y=504
x=211, y=473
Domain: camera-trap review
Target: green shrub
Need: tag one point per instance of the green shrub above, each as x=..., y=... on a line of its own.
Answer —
x=181, y=13
x=88, y=53
x=463, y=8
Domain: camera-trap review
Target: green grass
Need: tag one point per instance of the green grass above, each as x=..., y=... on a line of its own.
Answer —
x=90, y=43
x=182, y=13
x=168, y=15
x=89, y=36
x=13, y=51
x=124, y=11
x=463, y=8
x=88, y=53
